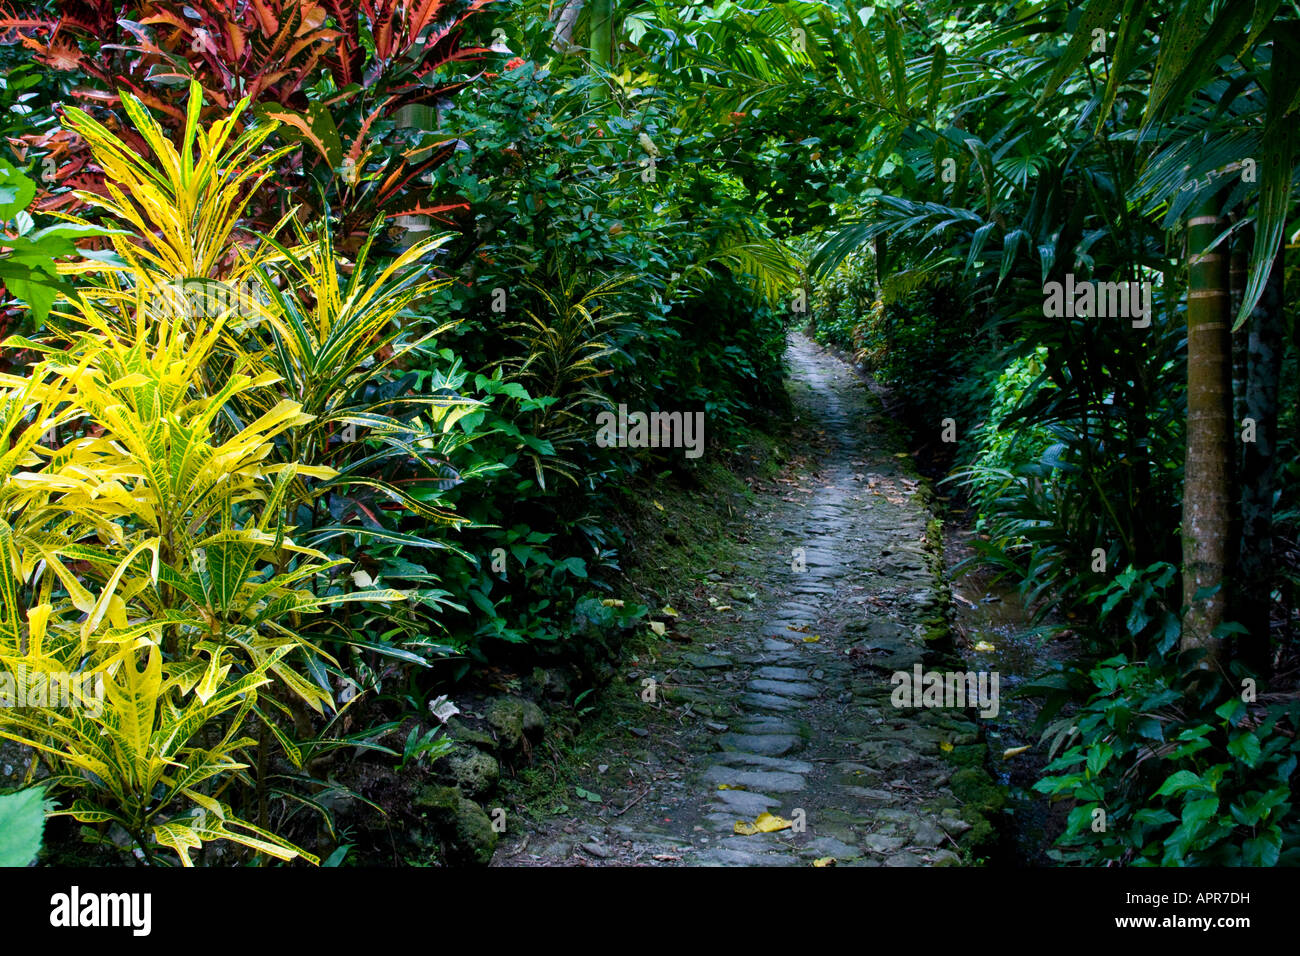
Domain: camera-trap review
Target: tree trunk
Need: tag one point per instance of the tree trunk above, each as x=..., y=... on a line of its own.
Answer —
x=562, y=40
x=602, y=35
x=421, y=116
x=1208, y=472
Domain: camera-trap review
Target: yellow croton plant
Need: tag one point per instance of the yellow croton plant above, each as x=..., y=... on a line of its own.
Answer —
x=145, y=529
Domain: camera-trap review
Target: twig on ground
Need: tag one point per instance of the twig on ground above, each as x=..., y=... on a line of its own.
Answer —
x=633, y=802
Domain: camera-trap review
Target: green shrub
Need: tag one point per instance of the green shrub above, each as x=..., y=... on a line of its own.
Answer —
x=1165, y=771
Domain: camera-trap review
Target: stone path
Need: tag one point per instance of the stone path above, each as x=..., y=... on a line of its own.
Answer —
x=788, y=712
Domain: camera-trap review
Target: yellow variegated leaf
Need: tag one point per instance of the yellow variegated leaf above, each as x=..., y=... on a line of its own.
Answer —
x=132, y=380
x=180, y=838
x=102, y=605
x=213, y=676
x=308, y=471
x=312, y=695
x=84, y=812
x=257, y=839
x=133, y=695
x=38, y=619
x=291, y=749
x=215, y=807
x=184, y=675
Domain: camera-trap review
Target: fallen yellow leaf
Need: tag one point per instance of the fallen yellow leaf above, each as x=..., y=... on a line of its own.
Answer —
x=812, y=640
x=612, y=602
x=984, y=646
x=763, y=823
x=723, y=607
x=945, y=746
x=669, y=611
x=659, y=506
x=824, y=861
x=658, y=628
x=731, y=786
x=1012, y=752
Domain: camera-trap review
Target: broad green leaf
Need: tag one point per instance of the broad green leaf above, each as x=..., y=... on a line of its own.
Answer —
x=22, y=823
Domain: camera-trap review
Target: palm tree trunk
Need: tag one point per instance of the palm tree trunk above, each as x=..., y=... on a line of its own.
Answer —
x=602, y=37
x=1208, y=472
x=421, y=116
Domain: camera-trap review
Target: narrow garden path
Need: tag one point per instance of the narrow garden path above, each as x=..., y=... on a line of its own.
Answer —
x=785, y=707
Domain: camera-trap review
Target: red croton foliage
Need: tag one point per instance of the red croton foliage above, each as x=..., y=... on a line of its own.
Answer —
x=381, y=54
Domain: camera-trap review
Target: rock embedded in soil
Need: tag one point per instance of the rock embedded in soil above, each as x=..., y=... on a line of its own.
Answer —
x=466, y=831
x=769, y=745
x=748, y=760
x=761, y=724
x=702, y=661
x=460, y=733
x=904, y=858
x=472, y=771
x=505, y=715
x=769, y=702
x=552, y=683
x=783, y=688
x=761, y=781
x=746, y=804
x=534, y=721
x=771, y=672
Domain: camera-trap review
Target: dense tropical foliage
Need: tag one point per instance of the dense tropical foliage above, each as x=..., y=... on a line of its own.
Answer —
x=311, y=308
